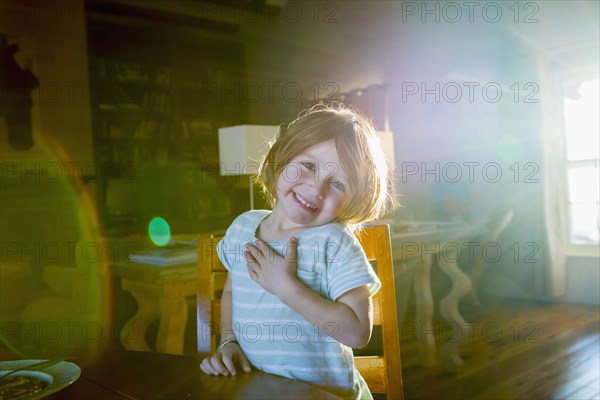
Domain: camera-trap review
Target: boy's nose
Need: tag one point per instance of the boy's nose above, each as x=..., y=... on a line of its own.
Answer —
x=319, y=189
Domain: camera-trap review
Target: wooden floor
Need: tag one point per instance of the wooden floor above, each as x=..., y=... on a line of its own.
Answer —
x=517, y=351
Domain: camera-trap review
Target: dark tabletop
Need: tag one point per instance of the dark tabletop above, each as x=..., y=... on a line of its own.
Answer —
x=120, y=374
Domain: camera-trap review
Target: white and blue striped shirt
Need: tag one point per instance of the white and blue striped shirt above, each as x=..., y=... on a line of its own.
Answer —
x=275, y=338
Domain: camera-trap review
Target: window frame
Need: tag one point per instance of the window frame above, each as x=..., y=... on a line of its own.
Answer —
x=566, y=78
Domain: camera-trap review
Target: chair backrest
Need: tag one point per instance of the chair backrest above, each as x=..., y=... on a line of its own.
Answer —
x=383, y=373
x=211, y=280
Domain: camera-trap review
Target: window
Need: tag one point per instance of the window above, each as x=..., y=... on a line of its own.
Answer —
x=582, y=133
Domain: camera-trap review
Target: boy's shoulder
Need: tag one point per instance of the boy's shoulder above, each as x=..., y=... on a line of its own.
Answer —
x=337, y=240
x=250, y=217
x=334, y=232
x=333, y=228
x=246, y=223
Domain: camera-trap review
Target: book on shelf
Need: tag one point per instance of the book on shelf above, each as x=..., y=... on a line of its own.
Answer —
x=132, y=71
x=175, y=254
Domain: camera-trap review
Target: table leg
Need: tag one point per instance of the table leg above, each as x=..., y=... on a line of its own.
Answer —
x=133, y=334
x=164, y=301
x=424, y=311
x=461, y=285
x=174, y=316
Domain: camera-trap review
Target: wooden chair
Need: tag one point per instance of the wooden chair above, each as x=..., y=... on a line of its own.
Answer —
x=383, y=373
x=211, y=280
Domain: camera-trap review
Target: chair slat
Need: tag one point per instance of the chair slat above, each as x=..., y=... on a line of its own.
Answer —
x=377, y=310
x=218, y=283
x=372, y=369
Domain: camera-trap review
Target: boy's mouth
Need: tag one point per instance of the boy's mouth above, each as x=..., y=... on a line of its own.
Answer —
x=305, y=202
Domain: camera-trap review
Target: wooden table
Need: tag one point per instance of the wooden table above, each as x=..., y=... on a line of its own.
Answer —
x=121, y=374
x=441, y=242
x=160, y=293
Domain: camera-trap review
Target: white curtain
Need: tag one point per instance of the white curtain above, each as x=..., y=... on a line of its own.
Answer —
x=555, y=187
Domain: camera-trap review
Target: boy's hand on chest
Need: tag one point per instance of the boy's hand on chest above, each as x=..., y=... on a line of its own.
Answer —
x=273, y=272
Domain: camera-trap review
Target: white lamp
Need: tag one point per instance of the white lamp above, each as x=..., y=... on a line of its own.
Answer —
x=241, y=149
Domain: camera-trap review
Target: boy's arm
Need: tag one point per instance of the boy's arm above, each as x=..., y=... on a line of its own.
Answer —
x=223, y=361
x=349, y=319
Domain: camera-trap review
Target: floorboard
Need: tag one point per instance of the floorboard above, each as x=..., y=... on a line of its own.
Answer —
x=515, y=350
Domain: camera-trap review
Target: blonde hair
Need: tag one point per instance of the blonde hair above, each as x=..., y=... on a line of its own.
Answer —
x=360, y=151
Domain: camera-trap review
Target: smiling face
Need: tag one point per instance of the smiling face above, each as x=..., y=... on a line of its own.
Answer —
x=349, y=151
x=313, y=188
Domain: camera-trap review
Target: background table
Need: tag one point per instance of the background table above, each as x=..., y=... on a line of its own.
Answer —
x=161, y=293
x=419, y=248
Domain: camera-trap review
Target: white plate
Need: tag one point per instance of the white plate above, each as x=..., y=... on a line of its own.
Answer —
x=58, y=376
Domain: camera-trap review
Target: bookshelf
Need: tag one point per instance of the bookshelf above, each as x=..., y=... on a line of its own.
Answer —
x=155, y=128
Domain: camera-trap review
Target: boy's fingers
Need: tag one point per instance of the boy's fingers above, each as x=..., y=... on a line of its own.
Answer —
x=205, y=367
x=259, y=250
x=244, y=363
x=248, y=255
x=217, y=365
x=229, y=364
x=253, y=253
x=252, y=264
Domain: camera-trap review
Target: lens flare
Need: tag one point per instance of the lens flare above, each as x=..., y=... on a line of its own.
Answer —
x=55, y=297
x=159, y=231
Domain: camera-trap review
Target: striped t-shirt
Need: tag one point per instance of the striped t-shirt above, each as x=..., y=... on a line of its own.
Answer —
x=275, y=338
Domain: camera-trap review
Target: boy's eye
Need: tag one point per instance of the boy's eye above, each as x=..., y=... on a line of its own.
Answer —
x=308, y=165
x=338, y=185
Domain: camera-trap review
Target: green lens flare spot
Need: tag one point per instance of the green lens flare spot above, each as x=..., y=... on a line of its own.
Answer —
x=159, y=231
